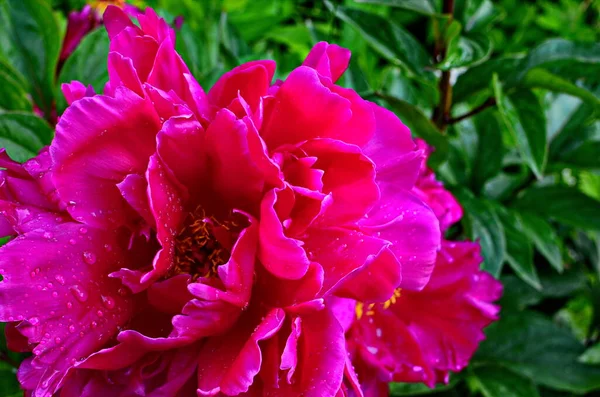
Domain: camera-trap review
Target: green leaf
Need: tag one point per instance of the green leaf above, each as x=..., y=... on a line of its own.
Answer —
x=564, y=204
x=524, y=118
x=497, y=381
x=519, y=250
x=465, y=50
x=477, y=78
x=543, y=236
x=591, y=355
x=421, y=6
x=87, y=63
x=540, y=78
x=556, y=52
x=23, y=134
x=479, y=14
x=519, y=295
x=489, y=154
x=8, y=381
x=421, y=126
x=578, y=143
x=577, y=316
x=13, y=90
x=34, y=33
x=391, y=40
x=419, y=389
x=531, y=345
x=485, y=226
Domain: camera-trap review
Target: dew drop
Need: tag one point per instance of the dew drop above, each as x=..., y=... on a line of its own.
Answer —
x=83, y=230
x=108, y=302
x=34, y=321
x=79, y=293
x=71, y=328
x=60, y=279
x=89, y=257
x=48, y=235
x=57, y=340
x=69, y=305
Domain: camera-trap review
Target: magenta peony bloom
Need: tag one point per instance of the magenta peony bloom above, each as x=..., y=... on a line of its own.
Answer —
x=419, y=336
x=177, y=242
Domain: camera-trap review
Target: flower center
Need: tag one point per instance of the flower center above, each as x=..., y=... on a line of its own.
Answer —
x=360, y=306
x=200, y=247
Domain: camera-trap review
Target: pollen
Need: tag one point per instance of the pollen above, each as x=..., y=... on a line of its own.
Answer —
x=197, y=250
x=360, y=306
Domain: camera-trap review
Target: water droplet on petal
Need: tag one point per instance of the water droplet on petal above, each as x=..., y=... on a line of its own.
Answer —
x=34, y=321
x=83, y=230
x=48, y=235
x=79, y=293
x=89, y=257
x=71, y=328
x=108, y=302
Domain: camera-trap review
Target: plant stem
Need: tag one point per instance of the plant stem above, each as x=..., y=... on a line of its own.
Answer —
x=488, y=103
x=442, y=111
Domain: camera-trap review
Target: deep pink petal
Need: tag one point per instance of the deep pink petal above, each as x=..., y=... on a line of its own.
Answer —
x=413, y=230
x=356, y=265
x=250, y=80
x=57, y=282
x=304, y=109
x=330, y=60
x=281, y=255
x=229, y=363
x=393, y=151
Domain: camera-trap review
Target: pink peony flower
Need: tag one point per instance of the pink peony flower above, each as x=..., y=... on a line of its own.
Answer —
x=177, y=242
x=419, y=336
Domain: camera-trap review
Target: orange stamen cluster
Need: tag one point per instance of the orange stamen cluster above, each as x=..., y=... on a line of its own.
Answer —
x=360, y=306
x=197, y=251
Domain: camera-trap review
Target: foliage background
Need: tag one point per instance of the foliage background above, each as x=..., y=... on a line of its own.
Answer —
x=506, y=91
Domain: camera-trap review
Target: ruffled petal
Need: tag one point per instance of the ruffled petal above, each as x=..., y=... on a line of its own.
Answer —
x=57, y=282
x=229, y=363
x=330, y=60
x=282, y=256
x=99, y=141
x=413, y=230
x=250, y=81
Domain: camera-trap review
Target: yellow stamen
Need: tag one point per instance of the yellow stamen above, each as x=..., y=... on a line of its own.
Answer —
x=360, y=306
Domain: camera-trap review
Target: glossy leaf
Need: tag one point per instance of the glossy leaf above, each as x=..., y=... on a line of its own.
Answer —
x=13, y=90
x=391, y=40
x=23, y=134
x=426, y=7
x=556, y=52
x=591, y=355
x=519, y=250
x=534, y=346
x=524, y=118
x=34, y=33
x=487, y=228
x=466, y=50
x=489, y=154
x=544, y=237
x=477, y=78
x=540, y=78
x=564, y=204
x=497, y=381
